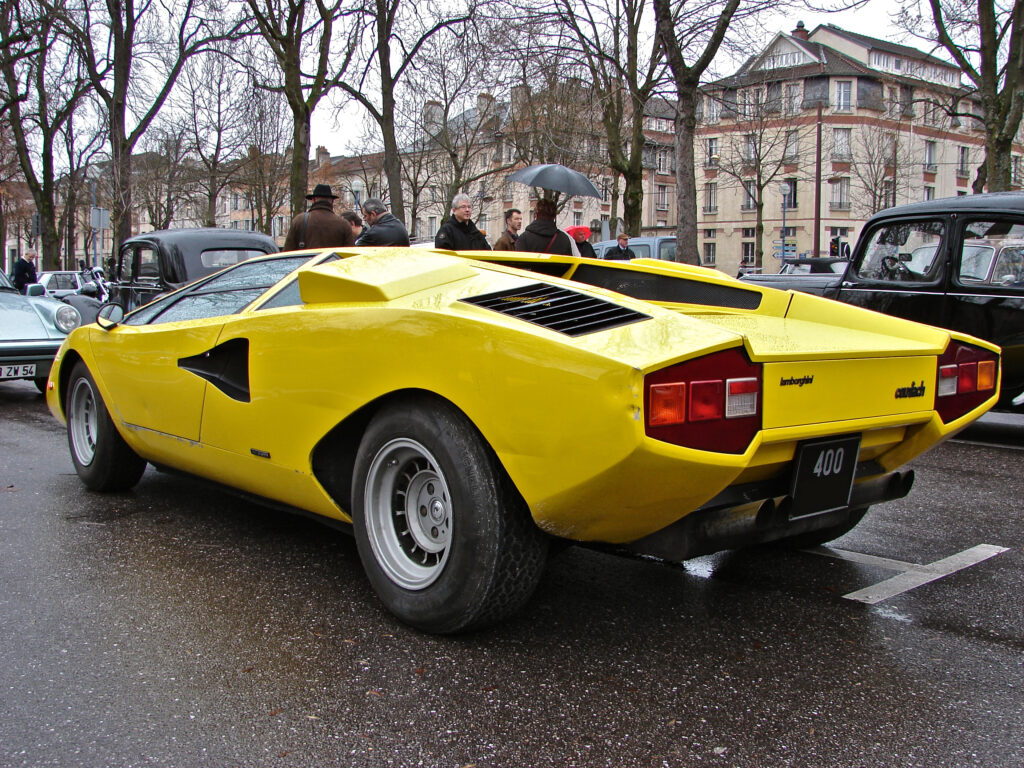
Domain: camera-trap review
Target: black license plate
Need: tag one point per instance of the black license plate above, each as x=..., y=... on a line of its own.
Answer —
x=823, y=475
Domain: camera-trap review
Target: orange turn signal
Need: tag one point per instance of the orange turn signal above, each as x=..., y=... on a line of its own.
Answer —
x=986, y=374
x=668, y=404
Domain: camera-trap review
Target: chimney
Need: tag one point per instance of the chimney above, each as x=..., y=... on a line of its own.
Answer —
x=800, y=31
x=432, y=114
x=520, y=95
x=323, y=157
x=484, y=106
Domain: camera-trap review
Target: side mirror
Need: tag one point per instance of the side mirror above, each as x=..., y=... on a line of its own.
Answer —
x=35, y=289
x=110, y=315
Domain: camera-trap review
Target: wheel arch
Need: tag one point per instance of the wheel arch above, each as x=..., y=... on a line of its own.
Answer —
x=334, y=456
x=67, y=365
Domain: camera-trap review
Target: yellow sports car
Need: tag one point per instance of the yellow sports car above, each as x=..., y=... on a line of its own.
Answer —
x=462, y=411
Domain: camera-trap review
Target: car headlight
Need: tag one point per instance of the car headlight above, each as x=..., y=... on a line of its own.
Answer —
x=67, y=319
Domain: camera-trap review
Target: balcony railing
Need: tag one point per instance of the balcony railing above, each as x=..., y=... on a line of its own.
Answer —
x=930, y=168
x=963, y=172
x=710, y=162
x=661, y=206
x=840, y=205
x=842, y=157
x=710, y=209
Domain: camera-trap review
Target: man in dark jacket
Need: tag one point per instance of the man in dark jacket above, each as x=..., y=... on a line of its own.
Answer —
x=543, y=235
x=383, y=228
x=320, y=226
x=621, y=250
x=24, y=273
x=459, y=233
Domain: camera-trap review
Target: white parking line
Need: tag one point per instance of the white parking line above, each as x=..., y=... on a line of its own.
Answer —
x=911, y=574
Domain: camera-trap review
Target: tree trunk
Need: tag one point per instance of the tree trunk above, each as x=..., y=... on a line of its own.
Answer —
x=300, y=161
x=686, y=180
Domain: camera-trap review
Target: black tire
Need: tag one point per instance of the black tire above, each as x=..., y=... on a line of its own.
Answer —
x=469, y=554
x=824, y=535
x=101, y=457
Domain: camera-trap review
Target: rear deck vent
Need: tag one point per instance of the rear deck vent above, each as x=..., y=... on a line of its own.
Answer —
x=558, y=309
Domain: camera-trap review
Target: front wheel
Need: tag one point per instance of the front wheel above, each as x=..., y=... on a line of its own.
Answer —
x=446, y=540
x=102, y=458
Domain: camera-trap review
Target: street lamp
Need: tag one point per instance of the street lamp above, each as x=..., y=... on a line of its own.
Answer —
x=784, y=189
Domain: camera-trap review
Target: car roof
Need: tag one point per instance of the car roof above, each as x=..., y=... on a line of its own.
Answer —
x=205, y=236
x=1011, y=202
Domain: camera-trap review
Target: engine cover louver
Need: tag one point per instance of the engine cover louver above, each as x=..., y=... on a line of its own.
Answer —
x=558, y=309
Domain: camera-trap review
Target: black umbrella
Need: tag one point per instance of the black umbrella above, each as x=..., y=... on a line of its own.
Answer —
x=556, y=177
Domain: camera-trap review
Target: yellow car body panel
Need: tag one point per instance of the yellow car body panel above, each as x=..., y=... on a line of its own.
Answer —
x=563, y=414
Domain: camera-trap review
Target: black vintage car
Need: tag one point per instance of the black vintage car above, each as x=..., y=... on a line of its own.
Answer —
x=956, y=262
x=154, y=263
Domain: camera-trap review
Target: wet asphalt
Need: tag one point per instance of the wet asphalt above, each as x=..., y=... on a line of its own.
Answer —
x=177, y=625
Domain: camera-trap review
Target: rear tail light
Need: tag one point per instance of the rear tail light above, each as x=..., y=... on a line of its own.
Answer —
x=967, y=376
x=712, y=403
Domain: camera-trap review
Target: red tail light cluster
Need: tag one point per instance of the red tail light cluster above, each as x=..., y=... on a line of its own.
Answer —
x=712, y=403
x=966, y=377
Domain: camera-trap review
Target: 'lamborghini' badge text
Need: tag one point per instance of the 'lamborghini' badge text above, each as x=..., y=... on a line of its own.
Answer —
x=795, y=381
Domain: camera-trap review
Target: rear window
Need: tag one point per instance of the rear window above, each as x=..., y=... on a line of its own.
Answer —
x=216, y=259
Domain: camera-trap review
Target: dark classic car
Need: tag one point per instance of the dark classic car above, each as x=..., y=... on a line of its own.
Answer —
x=154, y=263
x=957, y=263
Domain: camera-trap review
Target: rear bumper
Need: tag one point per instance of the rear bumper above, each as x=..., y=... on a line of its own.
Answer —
x=39, y=353
x=742, y=516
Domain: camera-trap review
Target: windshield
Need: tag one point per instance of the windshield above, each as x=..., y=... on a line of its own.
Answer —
x=5, y=283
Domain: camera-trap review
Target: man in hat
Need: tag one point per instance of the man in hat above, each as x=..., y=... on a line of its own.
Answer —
x=621, y=249
x=320, y=226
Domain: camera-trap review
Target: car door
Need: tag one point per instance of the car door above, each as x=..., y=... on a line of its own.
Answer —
x=901, y=270
x=138, y=275
x=986, y=293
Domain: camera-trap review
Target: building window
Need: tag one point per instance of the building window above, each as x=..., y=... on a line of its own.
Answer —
x=747, y=253
x=1016, y=170
x=709, y=234
x=749, y=195
x=710, y=197
x=841, y=144
x=839, y=231
x=841, y=195
x=844, y=95
x=661, y=199
x=792, y=146
x=963, y=161
x=929, y=193
x=432, y=226
x=711, y=156
x=709, y=254
x=788, y=232
x=664, y=166
x=712, y=109
x=932, y=112
x=930, y=162
x=749, y=147
x=789, y=198
x=888, y=194
x=750, y=102
x=577, y=218
x=791, y=104
x=749, y=232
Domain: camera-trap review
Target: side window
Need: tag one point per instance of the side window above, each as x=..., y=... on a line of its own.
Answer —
x=993, y=254
x=902, y=252
x=667, y=250
x=641, y=251
x=145, y=265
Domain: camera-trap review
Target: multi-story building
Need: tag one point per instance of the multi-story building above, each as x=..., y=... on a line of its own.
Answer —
x=817, y=132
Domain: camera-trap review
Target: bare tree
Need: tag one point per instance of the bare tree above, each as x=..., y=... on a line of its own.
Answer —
x=986, y=40
x=459, y=117
x=46, y=88
x=685, y=26
x=882, y=158
x=615, y=41
x=82, y=138
x=213, y=99
x=396, y=31
x=761, y=152
x=263, y=173
x=133, y=54
x=323, y=34
x=164, y=177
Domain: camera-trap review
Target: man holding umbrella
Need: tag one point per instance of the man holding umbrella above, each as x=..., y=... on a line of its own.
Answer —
x=459, y=233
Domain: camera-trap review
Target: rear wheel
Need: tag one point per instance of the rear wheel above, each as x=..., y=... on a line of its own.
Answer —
x=446, y=540
x=102, y=458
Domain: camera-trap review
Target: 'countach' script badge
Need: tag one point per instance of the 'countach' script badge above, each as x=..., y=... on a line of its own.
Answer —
x=795, y=381
x=914, y=390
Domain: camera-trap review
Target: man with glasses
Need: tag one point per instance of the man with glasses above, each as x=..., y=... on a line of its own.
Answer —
x=459, y=233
